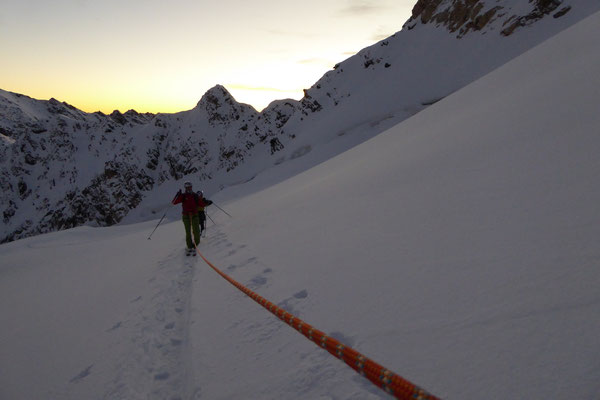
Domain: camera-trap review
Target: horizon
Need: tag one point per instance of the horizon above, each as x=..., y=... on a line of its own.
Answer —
x=159, y=58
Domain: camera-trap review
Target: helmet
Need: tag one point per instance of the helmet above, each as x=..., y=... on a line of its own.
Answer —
x=187, y=184
x=200, y=193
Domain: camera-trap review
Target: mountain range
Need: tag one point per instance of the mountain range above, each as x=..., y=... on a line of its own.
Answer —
x=61, y=167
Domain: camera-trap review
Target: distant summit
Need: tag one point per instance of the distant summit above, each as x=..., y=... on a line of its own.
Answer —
x=221, y=107
x=215, y=97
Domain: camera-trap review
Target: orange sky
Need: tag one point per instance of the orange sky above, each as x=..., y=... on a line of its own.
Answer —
x=157, y=56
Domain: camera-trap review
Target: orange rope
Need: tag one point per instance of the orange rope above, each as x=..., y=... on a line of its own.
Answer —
x=377, y=374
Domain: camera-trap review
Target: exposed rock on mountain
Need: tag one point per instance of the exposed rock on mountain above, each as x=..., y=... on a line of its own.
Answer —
x=542, y=8
x=222, y=108
x=463, y=16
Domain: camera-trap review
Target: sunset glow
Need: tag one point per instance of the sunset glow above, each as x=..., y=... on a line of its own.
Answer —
x=154, y=56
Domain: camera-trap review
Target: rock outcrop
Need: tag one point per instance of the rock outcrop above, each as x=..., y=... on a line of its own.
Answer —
x=464, y=16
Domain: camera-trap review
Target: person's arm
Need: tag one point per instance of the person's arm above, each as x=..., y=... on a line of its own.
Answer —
x=178, y=198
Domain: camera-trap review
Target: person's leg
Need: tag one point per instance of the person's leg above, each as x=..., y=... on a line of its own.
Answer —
x=202, y=221
x=187, y=223
x=196, y=228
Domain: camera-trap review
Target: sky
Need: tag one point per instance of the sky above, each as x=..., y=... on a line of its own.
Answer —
x=157, y=56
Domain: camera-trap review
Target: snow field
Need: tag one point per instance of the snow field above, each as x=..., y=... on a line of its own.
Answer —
x=105, y=314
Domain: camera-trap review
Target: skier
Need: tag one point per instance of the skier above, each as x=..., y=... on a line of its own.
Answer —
x=190, y=202
x=201, y=213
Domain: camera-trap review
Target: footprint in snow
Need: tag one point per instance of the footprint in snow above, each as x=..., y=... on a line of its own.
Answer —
x=288, y=304
x=82, y=374
x=163, y=376
x=251, y=260
x=170, y=325
x=114, y=327
x=257, y=282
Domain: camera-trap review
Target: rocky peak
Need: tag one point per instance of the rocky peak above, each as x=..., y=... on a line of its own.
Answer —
x=220, y=106
x=130, y=117
x=118, y=117
x=215, y=98
x=138, y=118
x=464, y=16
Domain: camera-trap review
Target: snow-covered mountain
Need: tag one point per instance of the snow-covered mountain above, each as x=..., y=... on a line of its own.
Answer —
x=458, y=248
x=61, y=167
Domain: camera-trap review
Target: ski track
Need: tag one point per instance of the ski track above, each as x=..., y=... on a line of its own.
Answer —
x=157, y=364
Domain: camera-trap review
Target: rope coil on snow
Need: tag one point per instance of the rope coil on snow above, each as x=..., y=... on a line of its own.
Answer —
x=377, y=374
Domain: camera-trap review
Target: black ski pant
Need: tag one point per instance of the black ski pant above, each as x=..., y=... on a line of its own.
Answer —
x=202, y=216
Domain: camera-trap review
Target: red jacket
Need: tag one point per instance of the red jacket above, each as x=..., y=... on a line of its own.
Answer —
x=189, y=202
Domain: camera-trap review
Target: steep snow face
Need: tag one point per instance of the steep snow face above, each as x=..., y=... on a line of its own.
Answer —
x=61, y=167
x=458, y=248
x=426, y=61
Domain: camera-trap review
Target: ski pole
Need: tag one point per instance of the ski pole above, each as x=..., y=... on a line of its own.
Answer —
x=222, y=210
x=206, y=224
x=161, y=218
x=214, y=223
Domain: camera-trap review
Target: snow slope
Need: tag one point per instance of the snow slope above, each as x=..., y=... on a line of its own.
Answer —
x=458, y=248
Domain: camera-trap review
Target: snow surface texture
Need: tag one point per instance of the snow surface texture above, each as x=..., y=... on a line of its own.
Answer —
x=458, y=248
x=61, y=167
